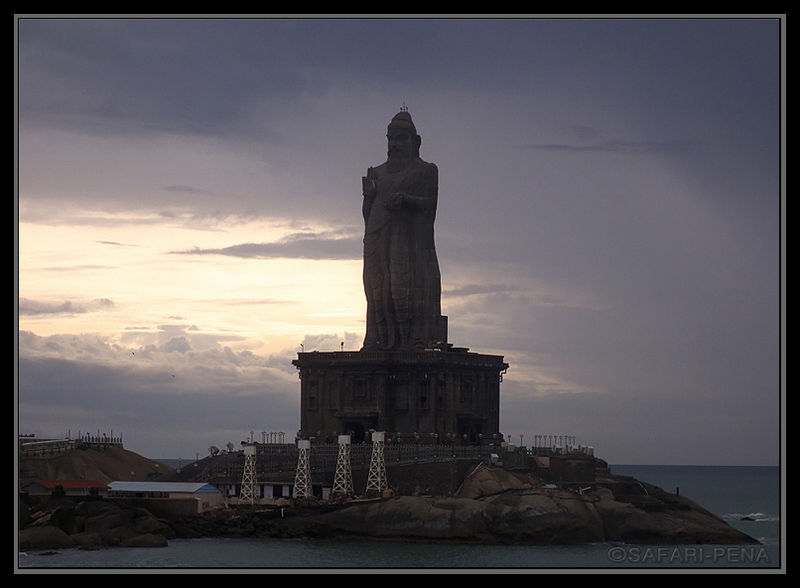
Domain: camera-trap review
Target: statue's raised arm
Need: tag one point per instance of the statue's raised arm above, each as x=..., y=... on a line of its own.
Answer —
x=368, y=190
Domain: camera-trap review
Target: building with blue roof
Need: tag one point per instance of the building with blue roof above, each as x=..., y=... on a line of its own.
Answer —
x=168, y=497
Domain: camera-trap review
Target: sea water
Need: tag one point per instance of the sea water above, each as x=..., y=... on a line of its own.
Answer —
x=748, y=498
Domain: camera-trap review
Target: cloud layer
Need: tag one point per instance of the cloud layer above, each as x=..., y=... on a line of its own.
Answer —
x=608, y=220
x=297, y=246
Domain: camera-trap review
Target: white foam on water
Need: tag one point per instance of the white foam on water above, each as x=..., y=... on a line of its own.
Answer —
x=756, y=517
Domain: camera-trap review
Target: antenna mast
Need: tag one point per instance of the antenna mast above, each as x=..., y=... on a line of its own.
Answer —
x=376, y=480
x=343, y=479
x=248, y=493
x=302, y=479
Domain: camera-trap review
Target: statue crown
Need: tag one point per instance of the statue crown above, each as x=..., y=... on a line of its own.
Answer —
x=403, y=120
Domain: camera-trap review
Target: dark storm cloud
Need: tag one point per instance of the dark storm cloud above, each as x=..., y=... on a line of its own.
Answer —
x=201, y=76
x=687, y=427
x=193, y=76
x=81, y=267
x=84, y=381
x=475, y=289
x=117, y=243
x=622, y=146
x=300, y=246
x=143, y=402
x=67, y=217
x=187, y=190
x=646, y=203
x=584, y=132
x=36, y=307
x=683, y=84
x=146, y=76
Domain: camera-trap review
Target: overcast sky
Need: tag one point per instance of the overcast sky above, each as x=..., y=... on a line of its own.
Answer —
x=189, y=214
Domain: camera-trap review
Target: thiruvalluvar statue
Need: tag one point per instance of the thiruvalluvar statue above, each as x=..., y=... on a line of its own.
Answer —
x=402, y=281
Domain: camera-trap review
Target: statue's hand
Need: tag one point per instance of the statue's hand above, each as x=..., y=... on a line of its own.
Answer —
x=368, y=187
x=395, y=201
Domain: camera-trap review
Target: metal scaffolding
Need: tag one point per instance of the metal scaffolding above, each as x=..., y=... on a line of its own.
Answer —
x=248, y=493
x=376, y=480
x=302, y=479
x=343, y=479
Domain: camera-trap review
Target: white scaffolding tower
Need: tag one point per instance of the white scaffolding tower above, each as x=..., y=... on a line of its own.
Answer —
x=248, y=493
x=343, y=479
x=377, y=467
x=302, y=479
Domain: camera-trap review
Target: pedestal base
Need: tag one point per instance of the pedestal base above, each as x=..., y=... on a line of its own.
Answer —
x=427, y=396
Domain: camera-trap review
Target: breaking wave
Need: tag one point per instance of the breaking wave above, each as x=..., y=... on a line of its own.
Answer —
x=757, y=517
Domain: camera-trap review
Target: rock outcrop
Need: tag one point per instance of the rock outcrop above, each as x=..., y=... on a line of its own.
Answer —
x=493, y=505
x=112, y=463
x=45, y=537
x=92, y=524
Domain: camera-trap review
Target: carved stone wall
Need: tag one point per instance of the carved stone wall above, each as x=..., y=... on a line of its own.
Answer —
x=425, y=396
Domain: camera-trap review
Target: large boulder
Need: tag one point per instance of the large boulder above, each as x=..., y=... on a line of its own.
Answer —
x=412, y=516
x=543, y=517
x=504, y=517
x=44, y=537
x=99, y=523
x=485, y=481
x=663, y=520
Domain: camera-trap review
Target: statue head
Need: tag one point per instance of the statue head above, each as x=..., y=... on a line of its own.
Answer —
x=403, y=140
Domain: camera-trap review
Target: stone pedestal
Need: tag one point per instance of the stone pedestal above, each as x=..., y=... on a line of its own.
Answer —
x=425, y=396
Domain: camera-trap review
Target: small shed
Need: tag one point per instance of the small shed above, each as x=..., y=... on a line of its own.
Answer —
x=265, y=492
x=68, y=487
x=188, y=497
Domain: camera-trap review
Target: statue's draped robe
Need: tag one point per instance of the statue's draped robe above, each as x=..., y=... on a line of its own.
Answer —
x=402, y=281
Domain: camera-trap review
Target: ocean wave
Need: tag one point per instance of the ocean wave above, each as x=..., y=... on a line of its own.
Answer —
x=756, y=517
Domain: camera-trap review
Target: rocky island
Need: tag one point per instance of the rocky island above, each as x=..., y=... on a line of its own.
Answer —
x=493, y=505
